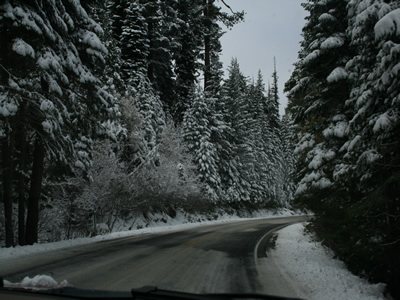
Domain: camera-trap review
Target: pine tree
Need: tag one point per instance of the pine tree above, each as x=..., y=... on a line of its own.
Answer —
x=189, y=40
x=236, y=159
x=200, y=126
x=374, y=125
x=372, y=149
x=132, y=145
x=212, y=32
x=104, y=14
x=159, y=15
x=134, y=43
x=152, y=114
x=273, y=100
x=269, y=142
x=317, y=94
x=260, y=139
x=145, y=36
x=288, y=159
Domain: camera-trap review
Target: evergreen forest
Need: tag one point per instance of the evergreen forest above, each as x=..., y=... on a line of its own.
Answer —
x=111, y=110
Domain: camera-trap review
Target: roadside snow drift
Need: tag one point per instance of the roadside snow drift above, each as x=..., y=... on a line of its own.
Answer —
x=314, y=272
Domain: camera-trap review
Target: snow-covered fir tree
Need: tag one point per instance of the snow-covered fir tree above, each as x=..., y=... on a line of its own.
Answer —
x=317, y=93
x=272, y=107
x=152, y=114
x=236, y=159
x=200, y=125
x=159, y=15
x=134, y=43
x=288, y=159
x=269, y=142
x=261, y=135
x=372, y=150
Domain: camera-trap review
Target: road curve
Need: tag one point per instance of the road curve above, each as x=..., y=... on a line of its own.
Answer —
x=223, y=258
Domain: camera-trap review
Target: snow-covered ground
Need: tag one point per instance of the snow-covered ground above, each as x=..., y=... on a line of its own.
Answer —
x=313, y=271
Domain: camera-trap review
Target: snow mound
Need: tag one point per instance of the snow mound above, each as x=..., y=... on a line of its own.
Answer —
x=315, y=273
x=38, y=282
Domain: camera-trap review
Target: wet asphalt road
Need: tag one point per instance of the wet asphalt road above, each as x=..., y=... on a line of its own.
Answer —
x=223, y=258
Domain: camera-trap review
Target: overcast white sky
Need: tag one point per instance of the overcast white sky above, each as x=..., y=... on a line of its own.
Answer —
x=271, y=28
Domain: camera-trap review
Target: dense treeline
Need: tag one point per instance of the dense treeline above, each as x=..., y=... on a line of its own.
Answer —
x=103, y=117
x=344, y=98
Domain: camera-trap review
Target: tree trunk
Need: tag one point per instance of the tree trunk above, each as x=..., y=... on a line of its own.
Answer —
x=22, y=149
x=150, y=65
x=207, y=44
x=8, y=172
x=7, y=141
x=32, y=220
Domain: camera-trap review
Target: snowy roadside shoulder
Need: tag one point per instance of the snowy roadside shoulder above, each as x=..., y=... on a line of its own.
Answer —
x=313, y=271
x=180, y=222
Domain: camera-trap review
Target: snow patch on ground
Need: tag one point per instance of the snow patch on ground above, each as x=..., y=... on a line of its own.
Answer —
x=313, y=271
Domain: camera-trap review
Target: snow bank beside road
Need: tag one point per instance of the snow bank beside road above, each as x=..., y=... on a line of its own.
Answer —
x=314, y=272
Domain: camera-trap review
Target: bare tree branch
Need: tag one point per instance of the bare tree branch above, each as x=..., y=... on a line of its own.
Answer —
x=228, y=6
